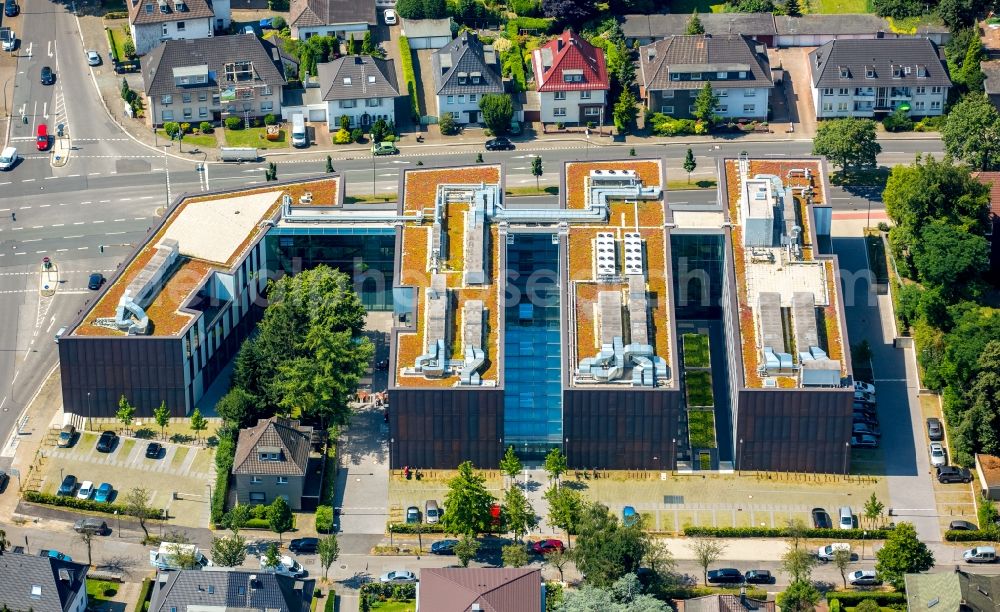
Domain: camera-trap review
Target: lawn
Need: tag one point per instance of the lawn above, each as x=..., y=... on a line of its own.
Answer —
x=701, y=428
x=194, y=140
x=127, y=447
x=119, y=35
x=179, y=457
x=395, y=606
x=696, y=351
x=699, y=388
x=681, y=185
x=839, y=6
x=702, y=6
x=532, y=190
x=100, y=592
x=254, y=137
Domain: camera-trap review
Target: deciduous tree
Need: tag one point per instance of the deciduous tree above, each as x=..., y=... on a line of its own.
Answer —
x=137, y=504
x=606, y=550
x=536, y=171
x=800, y=596
x=514, y=555
x=902, y=554
x=873, y=511
x=689, y=164
x=279, y=516
x=555, y=464
x=468, y=502
x=518, y=514
x=466, y=549
x=842, y=560
x=237, y=518
x=329, y=550
x=565, y=509
x=971, y=132
x=162, y=417
x=510, y=465
x=569, y=12
x=126, y=412
x=229, y=551
x=847, y=142
x=706, y=552
x=198, y=423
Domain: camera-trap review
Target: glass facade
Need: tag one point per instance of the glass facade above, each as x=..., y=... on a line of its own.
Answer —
x=698, y=261
x=532, y=347
x=363, y=253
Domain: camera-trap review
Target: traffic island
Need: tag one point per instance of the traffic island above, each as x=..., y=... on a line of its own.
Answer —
x=60, y=152
x=48, y=278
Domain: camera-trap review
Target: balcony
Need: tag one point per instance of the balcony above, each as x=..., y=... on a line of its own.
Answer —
x=868, y=92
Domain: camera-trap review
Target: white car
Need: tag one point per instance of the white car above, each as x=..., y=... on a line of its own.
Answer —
x=390, y=17
x=86, y=490
x=286, y=566
x=398, y=577
x=938, y=455
x=93, y=58
x=8, y=158
x=863, y=578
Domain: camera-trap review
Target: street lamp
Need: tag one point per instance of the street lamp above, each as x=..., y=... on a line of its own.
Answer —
x=739, y=467
x=119, y=520
x=374, y=193
x=864, y=534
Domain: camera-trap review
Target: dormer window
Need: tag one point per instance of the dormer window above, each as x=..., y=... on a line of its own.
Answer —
x=721, y=75
x=573, y=76
x=897, y=72
x=463, y=78
x=347, y=80
x=149, y=9
x=269, y=453
x=921, y=71
x=371, y=79
x=845, y=73
x=869, y=72
x=675, y=76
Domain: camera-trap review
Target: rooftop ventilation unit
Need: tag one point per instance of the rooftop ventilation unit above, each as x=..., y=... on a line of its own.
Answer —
x=633, y=254
x=605, y=254
x=434, y=360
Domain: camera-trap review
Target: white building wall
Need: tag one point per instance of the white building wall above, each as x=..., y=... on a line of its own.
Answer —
x=570, y=113
x=459, y=106
x=835, y=102
x=738, y=102
x=148, y=37
x=336, y=108
x=340, y=30
x=223, y=13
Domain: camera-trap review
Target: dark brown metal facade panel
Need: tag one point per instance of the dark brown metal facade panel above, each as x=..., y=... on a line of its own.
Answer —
x=441, y=428
x=621, y=429
x=795, y=430
x=145, y=370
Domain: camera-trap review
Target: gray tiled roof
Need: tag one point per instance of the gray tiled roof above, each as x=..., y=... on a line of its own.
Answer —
x=191, y=9
x=675, y=24
x=58, y=582
x=370, y=77
x=329, y=12
x=830, y=25
x=292, y=439
x=883, y=54
x=707, y=54
x=465, y=55
x=225, y=588
x=992, y=71
x=215, y=52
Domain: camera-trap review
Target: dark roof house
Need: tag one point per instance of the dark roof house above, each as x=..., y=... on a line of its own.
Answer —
x=484, y=589
x=142, y=12
x=648, y=28
x=357, y=76
x=661, y=63
x=895, y=62
x=304, y=13
x=570, y=63
x=42, y=584
x=466, y=65
x=956, y=591
x=230, y=589
x=165, y=69
x=274, y=446
x=725, y=603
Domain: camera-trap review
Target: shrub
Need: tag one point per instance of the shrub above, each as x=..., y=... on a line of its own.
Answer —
x=129, y=48
x=929, y=124
x=259, y=512
x=324, y=519
x=780, y=532
x=171, y=128
x=835, y=605
x=116, y=15
x=233, y=123
x=898, y=121
x=72, y=502
x=331, y=600
x=665, y=125
x=412, y=528
x=144, y=592
x=278, y=22
x=513, y=66
x=206, y=127
x=953, y=535
x=185, y=128
x=111, y=43
x=357, y=134
x=389, y=138
x=257, y=523
x=684, y=592
x=541, y=25
x=342, y=137
x=526, y=8
x=852, y=598
x=270, y=119
x=447, y=124
x=406, y=60
x=387, y=590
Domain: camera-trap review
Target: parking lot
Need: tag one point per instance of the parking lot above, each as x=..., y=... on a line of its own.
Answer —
x=178, y=480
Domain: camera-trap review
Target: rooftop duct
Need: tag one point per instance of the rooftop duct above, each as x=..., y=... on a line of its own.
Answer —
x=472, y=342
x=434, y=360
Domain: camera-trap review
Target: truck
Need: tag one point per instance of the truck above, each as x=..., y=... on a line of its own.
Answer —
x=299, y=138
x=7, y=39
x=170, y=555
x=238, y=154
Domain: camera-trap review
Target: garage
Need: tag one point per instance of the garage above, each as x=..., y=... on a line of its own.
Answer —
x=317, y=114
x=427, y=33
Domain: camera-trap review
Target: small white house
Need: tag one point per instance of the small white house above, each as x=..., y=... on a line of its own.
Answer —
x=152, y=22
x=464, y=71
x=340, y=18
x=360, y=86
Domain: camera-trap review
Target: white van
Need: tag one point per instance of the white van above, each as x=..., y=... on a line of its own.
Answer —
x=299, y=138
x=165, y=557
x=980, y=554
x=846, y=518
x=825, y=553
x=8, y=158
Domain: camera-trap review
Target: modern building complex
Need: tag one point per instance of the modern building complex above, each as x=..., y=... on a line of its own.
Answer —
x=630, y=332
x=862, y=78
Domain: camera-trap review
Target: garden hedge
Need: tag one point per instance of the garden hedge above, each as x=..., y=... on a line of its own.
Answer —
x=853, y=598
x=955, y=535
x=111, y=43
x=406, y=60
x=781, y=532
x=412, y=527
x=225, y=454
x=324, y=519
x=543, y=25
x=147, y=586
x=682, y=592
x=72, y=502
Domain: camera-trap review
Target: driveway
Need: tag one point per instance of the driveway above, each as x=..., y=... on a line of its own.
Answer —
x=795, y=88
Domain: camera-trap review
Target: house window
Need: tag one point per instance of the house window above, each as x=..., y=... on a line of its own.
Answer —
x=827, y=107
x=256, y=479
x=456, y=115
x=560, y=95
x=749, y=108
x=475, y=80
x=266, y=91
x=451, y=99
x=167, y=99
x=675, y=76
x=282, y=479
x=585, y=95
x=269, y=456
x=180, y=26
x=842, y=107
x=827, y=91
x=473, y=97
x=203, y=111
x=215, y=99
x=266, y=106
x=921, y=91
x=168, y=115
x=721, y=75
x=164, y=30
x=935, y=104
x=722, y=93
x=695, y=76
x=461, y=99
x=919, y=105
x=347, y=80
x=722, y=108
x=247, y=106
x=592, y=111
x=187, y=113
x=845, y=73
x=373, y=102
x=869, y=73
x=257, y=498
x=149, y=9
x=743, y=74
x=185, y=98
x=202, y=96
x=897, y=72
x=843, y=91
x=936, y=89
x=667, y=110
x=667, y=93
x=348, y=103
x=559, y=111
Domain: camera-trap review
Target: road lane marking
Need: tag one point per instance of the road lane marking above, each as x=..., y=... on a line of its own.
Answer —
x=77, y=236
x=79, y=222
x=32, y=240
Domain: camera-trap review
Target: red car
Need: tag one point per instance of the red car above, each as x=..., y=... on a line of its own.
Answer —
x=544, y=547
x=42, y=137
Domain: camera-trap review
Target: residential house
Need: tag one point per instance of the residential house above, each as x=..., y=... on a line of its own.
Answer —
x=571, y=77
x=464, y=71
x=991, y=70
x=360, y=86
x=340, y=18
x=859, y=78
x=725, y=603
x=673, y=71
x=42, y=584
x=955, y=591
x=220, y=589
x=486, y=589
x=426, y=33
x=272, y=459
x=646, y=29
x=212, y=78
x=154, y=21
x=992, y=180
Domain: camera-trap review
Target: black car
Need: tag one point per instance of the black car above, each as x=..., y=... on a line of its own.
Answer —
x=726, y=575
x=3, y=480
x=864, y=417
x=48, y=77
x=962, y=526
x=11, y=9
x=759, y=577
x=95, y=281
x=106, y=443
x=951, y=473
x=444, y=547
x=821, y=520
x=68, y=486
x=934, y=430
x=304, y=545
x=499, y=144
x=153, y=450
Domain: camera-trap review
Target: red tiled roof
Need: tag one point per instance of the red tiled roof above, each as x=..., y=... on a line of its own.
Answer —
x=570, y=52
x=993, y=180
x=494, y=589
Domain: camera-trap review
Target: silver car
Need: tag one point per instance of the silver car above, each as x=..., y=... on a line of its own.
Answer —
x=93, y=58
x=398, y=577
x=863, y=578
x=939, y=456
